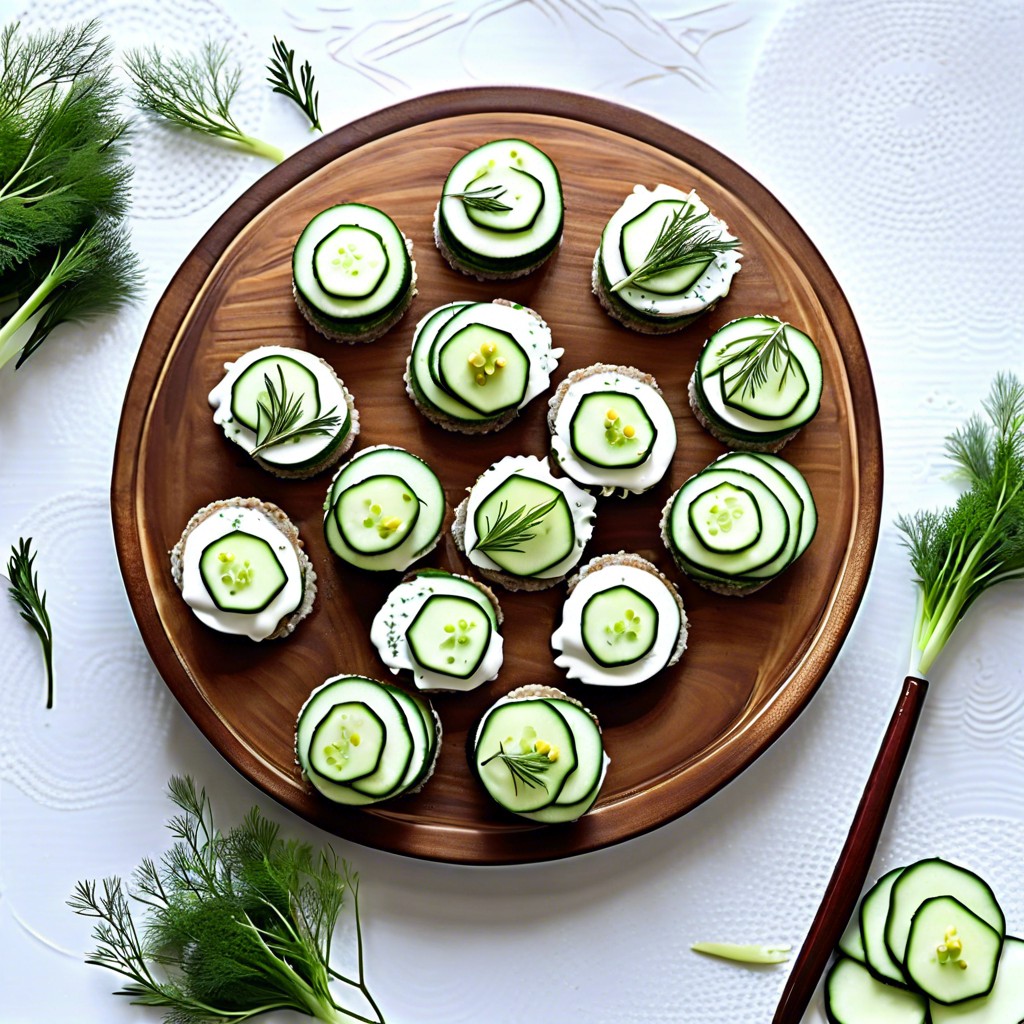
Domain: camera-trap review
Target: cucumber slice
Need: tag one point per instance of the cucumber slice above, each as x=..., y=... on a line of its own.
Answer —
x=586, y=736
x=612, y=430
x=484, y=368
x=725, y=518
x=854, y=996
x=851, y=943
x=347, y=743
x=874, y=909
x=1003, y=1005
x=638, y=237
x=250, y=389
x=511, y=187
x=459, y=586
x=241, y=572
x=809, y=515
x=952, y=954
x=936, y=877
x=376, y=514
x=450, y=635
x=549, y=541
x=619, y=626
x=423, y=727
x=350, y=262
x=783, y=387
x=524, y=753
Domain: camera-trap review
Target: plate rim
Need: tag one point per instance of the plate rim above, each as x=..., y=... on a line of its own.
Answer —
x=170, y=313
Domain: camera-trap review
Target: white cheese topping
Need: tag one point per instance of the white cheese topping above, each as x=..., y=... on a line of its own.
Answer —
x=390, y=626
x=711, y=286
x=567, y=639
x=288, y=453
x=609, y=479
x=581, y=507
x=255, y=625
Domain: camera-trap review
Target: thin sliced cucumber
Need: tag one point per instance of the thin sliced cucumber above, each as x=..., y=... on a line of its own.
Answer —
x=376, y=514
x=619, y=626
x=511, y=187
x=851, y=943
x=241, y=572
x=460, y=586
x=250, y=389
x=612, y=430
x=484, y=368
x=874, y=910
x=586, y=737
x=854, y=996
x=423, y=727
x=638, y=237
x=450, y=635
x=809, y=517
x=1003, y=1005
x=350, y=262
x=725, y=518
x=347, y=742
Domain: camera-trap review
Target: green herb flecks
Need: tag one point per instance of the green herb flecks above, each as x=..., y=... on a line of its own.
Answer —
x=487, y=198
x=301, y=91
x=512, y=529
x=194, y=92
x=527, y=768
x=237, y=923
x=755, y=356
x=961, y=551
x=279, y=418
x=31, y=602
x=682, y=241
x=745, y=954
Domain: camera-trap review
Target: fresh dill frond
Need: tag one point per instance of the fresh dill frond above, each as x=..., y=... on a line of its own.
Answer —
x=237, y=923
x=282, y=78
x=279, y=418
x=959, y=552
x=487, y=197
x=194, y=91
x=754, y=357
x=514, y=528
x=31, y=602
x=682, y=240
x=527, y=768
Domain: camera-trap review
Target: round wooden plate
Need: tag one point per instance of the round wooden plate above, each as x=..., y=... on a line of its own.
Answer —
x=753, y=663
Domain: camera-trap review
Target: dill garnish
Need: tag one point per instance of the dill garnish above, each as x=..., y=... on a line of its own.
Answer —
x=282, y=78
x=511, y=529
x=763, y=351
x=528, y=768
x=279, y=417
x=487, y=198
x=31, y=602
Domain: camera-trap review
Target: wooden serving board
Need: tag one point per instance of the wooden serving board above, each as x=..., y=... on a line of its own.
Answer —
x=753, y=663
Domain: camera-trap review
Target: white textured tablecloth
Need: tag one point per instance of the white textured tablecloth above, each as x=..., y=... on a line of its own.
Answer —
x=894, y=133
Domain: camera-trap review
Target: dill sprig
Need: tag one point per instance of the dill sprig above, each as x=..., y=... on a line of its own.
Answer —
x=31, y=602
x=961, y=551
x=487, y=198
x=237, y=923
x=279, y=418
x=282, y=78
x=513, y=528
x=762, y=352
x=194, y=91
x=682, y=240
x=528, y=768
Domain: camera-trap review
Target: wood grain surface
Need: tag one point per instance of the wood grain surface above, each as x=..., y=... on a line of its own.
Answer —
x=752, y=664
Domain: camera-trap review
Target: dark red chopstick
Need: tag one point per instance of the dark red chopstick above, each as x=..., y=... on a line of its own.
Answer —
x=847, y=882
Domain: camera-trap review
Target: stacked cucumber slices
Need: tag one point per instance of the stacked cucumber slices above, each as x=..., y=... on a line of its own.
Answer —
x=929, y=945
x=539, y=754
x=384, y=509
x=443, y=628
x=500, y=214
x=360, y=741
x=757, y=382
x=474, y=365
x=740, y=522
x=352, y=273
x=287, y=409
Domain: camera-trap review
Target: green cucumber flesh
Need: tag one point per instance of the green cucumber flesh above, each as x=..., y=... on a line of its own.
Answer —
x=241, y=572
x=639, y=235
x=250, y=389
x=809, y=516
x=553, y=537
x=390, y=290
x=513, y=754
x=936, y=877
x=586, y=738
x=484, y=368
x=854, y=996
x=725, y=518
x=851, y=942
x=424, y=736
x=350, y=262
x=460, y=586
x=874, y=910
x=952, y=954
x=612, y=430
x=376, y=514
x=1003, y=1005
x=508, y=186
x=449, y=635
x=347, y=742
x=619, y=626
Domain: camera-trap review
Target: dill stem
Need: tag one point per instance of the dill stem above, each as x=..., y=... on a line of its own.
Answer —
x=257, y=147
x=9, y=348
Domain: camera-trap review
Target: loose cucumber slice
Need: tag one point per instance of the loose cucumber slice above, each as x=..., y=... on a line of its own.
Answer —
x=250, y=390
x=350, y=262
x=484, y=368
x=524, y=753
x=376, y=514
x=241, y=572
x=612, y=430
x=874, y=910
x=450, y=635
x=511, y=187
x=851, y=942
x=936, y=877
x=619, y=626
x=347, y=742
x=1003, y=1005
x=549, y=541
x=854, y=996
x=638, y=237
x=952, y=954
